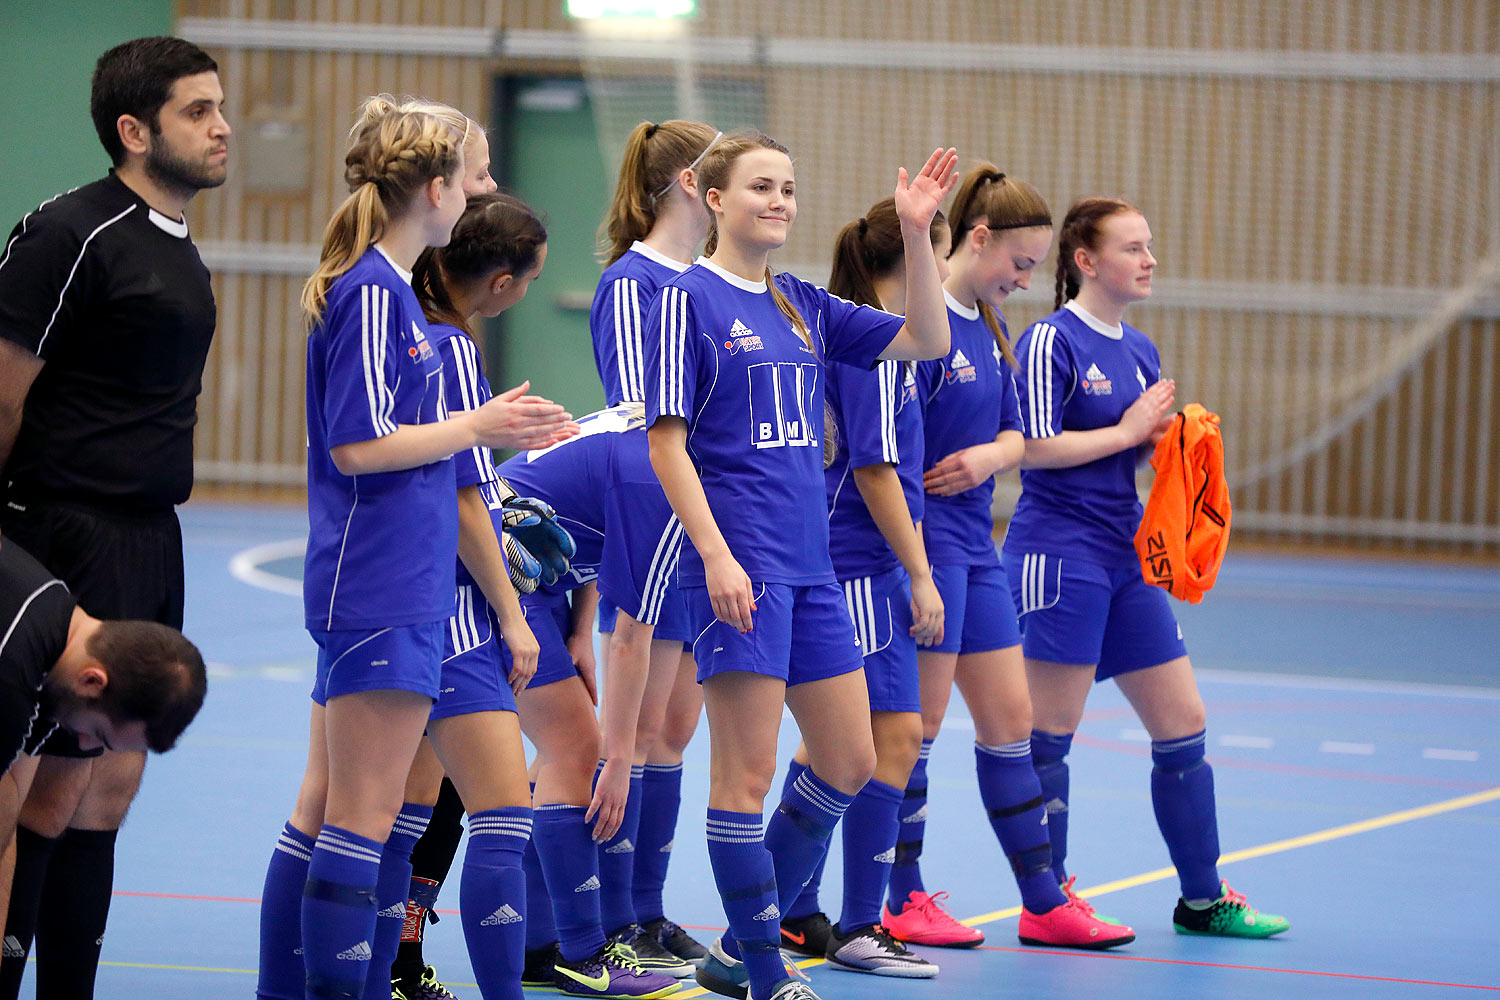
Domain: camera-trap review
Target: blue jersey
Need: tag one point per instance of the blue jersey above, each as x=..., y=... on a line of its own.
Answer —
x=380, y=546
x=1079, y=374
x=879, y=420
x=968, y=398
x=724, y=358
x=607, y=496
x=625, y=293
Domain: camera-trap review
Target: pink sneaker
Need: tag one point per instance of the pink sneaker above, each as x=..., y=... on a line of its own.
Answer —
x=925, y=920
x=1072, y=925
x=1083, y=904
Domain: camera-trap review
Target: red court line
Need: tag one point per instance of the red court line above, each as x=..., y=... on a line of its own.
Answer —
x=1225, y=965
x=1300, y=770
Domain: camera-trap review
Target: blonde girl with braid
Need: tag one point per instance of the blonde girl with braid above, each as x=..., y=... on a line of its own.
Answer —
x=735, y=360
x=379, y=571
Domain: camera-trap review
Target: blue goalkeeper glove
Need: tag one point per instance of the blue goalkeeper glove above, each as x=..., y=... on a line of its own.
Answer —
x=533, y=524
x=523, y=567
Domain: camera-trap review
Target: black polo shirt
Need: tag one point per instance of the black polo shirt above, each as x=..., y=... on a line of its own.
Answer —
x=113, y=297
x=36, y=611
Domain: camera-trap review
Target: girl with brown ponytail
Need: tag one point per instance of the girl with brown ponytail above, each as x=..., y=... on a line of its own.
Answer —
x=874, y=492
x=1002, y=228
x=736, y=363
x=379, y=572
x=656, y=222
x=1093, y=401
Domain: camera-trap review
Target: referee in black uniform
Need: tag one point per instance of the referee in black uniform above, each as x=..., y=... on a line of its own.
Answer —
x=106, y=314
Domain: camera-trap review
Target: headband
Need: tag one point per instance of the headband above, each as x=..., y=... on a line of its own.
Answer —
x=690, y=166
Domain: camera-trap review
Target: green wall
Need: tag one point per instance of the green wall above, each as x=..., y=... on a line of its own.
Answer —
x=47, y=54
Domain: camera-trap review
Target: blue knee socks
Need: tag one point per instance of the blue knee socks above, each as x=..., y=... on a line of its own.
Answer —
x=492, y=899
x=390, y=895
x=617, y=863
x=1049, y=756
x=282, y=975
x=338, y=914
x=906, y=873
x=1012, y=796
x=870, y=828
x=746, y=879
x=541, y=932
x=1182, y=790
x=661, y=799
x=806, y=903
x=570, y=862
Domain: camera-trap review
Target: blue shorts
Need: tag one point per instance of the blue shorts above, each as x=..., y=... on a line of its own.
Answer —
x=1074, y=611
x=671, y=625
x=801, y=634
x=400, y=658
x=881, y=608
x=550, y=617
x=978, y=615
x=473, y=679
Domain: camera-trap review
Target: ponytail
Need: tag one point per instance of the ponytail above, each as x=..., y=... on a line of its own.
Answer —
x=654, y=155
x=987, y=197
x=1081, y=227
x=395, y=154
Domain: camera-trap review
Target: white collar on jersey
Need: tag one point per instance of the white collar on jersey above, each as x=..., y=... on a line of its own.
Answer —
x=405, y=274
x=659, y=257
x=1094, y=322
x=733, y=279
x=969, y=313
x=172, y=227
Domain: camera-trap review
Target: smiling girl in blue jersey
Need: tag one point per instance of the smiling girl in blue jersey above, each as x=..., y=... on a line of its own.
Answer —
x=874, y=491
x=734, y=383
x=655, y=224
x=1002, y=228
x=1092, y=400
x=379, y=571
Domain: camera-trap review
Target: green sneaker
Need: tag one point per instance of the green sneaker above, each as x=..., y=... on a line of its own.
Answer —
x=1229, y=916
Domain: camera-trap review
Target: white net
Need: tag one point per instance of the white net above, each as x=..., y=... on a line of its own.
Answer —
x=1322, y=179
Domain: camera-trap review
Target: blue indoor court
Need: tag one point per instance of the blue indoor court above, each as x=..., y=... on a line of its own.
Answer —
x=1352, y=709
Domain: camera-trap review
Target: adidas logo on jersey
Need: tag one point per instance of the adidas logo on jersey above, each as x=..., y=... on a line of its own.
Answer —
x=886, y=857
x=769, y=913
x=623, y=847
x=12, y=947
x=920, y=816
x=504, y=915
x=590, y=885
x=666, y=848
x=394, y=910
x=960, y=368
x=358, y=953
x=1095, y=384
x=742, y=338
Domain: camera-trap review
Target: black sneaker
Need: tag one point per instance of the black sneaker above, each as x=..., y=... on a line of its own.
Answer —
x=676, y=940
x=650, y=954
x=807, y=935
x=429, y=987
x=536, y=973
x=873, y=951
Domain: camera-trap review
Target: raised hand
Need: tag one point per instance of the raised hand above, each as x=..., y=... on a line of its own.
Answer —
x=917, y=200
x=1145, y=415
x=516, y=420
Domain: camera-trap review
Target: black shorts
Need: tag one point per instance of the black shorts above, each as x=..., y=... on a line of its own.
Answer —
x=117, y=565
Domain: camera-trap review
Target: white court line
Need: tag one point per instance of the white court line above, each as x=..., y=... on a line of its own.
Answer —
x=1283, y=680
x=1357, y=749
x=1247, y=742
x=1135, y=735
x=1438, y=753
x=245, y=566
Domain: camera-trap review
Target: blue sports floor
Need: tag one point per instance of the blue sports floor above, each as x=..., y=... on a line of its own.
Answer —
x=1354, y=725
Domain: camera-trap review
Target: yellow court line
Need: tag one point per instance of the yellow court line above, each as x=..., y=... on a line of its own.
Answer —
x=1275, y=847
x=176, y=968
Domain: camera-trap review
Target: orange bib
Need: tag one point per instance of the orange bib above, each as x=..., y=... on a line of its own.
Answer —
x=1185, y=529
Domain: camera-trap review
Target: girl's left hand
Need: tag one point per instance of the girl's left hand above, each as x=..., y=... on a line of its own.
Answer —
x=608, y=803
x=963, y=470
x=917, y=202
